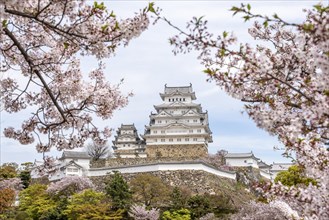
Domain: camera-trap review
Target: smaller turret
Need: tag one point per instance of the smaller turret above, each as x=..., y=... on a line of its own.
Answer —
x=127, y=143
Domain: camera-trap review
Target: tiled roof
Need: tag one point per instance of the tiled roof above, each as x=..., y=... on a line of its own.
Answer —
x=127, y=127
x=241, y=155
x=75, y=154
x=262, y=164
x=281, y=166
x=71, y=163
x=181, y=89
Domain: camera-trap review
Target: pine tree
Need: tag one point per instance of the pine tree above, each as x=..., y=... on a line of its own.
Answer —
x=118, y=190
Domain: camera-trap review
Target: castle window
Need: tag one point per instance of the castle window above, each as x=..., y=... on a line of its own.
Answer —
x=75, y=170
x=183, y=112
x=187, y=139
x=162, y=132
x=199, y=130
x=171, y=140
x=154, y=132
x=190, y=131
x=163, y=140
x=178, y=139
x=169, y=100
x=183, y=99
x=195, y=139
x=180, y=99
x=159, y=122
x=195, y=120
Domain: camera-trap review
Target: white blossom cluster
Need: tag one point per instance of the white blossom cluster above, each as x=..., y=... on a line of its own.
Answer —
x=284, y=81
x=12, y=183
x=139, y=212
x=40, y=41
x=70, y=185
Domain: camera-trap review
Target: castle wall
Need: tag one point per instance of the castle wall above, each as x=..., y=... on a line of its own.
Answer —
x=119, y=162
x=177, y=151
x=197, y=181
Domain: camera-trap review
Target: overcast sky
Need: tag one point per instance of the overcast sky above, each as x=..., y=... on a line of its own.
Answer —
x=147, y=64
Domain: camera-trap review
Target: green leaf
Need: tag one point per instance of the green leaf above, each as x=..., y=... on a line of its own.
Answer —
x=276, y=16
x=235, y=9
x=318, y=7
x=265, y=24
x=100, y=6
x=246, y=18
x=66, y=45
x=225, y=34
x=208, y=71
x=112, y=14
x=4, y=23
x=104, y=27
x=308, y=27
x=198, y=20
x=151, y=7
x=116, y=27
x=249, y=7
x=222, y=52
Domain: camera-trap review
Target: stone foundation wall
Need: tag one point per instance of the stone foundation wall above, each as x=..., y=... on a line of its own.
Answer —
x=192, y=151
x=118, y=162
x=196, y=181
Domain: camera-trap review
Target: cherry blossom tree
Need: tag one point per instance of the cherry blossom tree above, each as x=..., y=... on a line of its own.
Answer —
x=12, y=183
x=277, y=210
x=284, y=82
x=41, y=42
x=140, y=212
x=70, y=185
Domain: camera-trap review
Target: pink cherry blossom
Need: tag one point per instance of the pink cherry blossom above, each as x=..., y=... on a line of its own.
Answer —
x=40, y=43
x=140, y=212
x=284, y=82
x=69, y=185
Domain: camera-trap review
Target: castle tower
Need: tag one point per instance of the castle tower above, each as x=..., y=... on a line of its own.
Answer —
x=179, y=128
x=127, y=143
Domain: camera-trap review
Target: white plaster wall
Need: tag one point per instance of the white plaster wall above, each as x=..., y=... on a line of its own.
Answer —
x=275, y=173
x=162, y=167
x=241, y=162
x=266, y=175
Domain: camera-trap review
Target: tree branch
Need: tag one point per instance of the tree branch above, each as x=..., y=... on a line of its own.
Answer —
x=30, y=62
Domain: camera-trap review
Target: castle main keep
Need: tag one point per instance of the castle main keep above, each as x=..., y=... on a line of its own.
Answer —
x=178, y=128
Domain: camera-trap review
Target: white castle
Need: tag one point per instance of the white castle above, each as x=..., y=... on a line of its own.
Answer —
x=179, y=128
x=127, y=143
